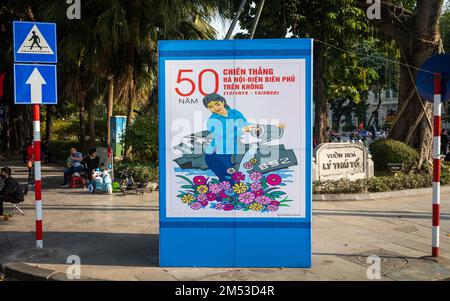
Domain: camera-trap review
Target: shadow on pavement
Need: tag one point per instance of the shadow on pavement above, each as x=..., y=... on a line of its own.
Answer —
x=93, y=248
x=367, y=254
x=100, y=208
x=387, y=214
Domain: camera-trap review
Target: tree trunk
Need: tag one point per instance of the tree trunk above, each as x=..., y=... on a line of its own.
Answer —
x=380, y=101
x=79, y=92
x=91, y=118
x=320, y=100
x=48, y=122
x=417, y=35
x=134, y=8
x=109, y=110
x=127, y=153
x=82, y=125
x=24, y=127
x=414, y=124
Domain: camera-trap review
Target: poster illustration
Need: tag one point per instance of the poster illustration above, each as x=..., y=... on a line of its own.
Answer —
x=236, y=147
x=235, y=152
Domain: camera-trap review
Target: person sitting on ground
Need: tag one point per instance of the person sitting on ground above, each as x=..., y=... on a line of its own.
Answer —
x=74, y=165
x=101, y=168
x=11, y=192
x=90, y=164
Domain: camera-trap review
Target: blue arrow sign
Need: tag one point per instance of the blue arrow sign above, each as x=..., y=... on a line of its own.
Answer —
x=35, y=84
x=35, y=42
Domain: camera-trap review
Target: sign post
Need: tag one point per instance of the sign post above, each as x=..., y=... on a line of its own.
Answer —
x=436, y=162
x=35, y=84
x=434, y=86
x=37, y=174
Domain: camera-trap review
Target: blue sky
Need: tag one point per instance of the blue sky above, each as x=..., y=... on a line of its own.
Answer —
x=222, y=25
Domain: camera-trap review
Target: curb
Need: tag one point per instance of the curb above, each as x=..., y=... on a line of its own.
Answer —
x=376, y=195
x=21, y=271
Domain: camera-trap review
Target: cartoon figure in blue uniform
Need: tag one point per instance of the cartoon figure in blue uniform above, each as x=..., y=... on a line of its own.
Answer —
x=226, y=126
x=243, y=157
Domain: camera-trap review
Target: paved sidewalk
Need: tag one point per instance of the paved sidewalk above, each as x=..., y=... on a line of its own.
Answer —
x=116, y=238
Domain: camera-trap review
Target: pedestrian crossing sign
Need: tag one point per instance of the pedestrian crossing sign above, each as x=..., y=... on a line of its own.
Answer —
x=35, y=42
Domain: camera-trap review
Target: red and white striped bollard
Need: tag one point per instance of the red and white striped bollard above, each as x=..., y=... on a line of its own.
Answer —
x=436, y=163
x=37, y=175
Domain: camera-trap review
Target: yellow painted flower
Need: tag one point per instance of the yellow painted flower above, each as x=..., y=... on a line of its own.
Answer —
x=253, y=161
x=202, y=189
x=187, y=198
x=239, y=188
x=255, y=207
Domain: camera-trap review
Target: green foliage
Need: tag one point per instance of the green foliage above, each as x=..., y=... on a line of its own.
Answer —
x=100, y=132
x=332, y=22
x=60, y=149
x=349, y=128
x=396, y=182
x=386, y=151
x=141, y=171
x=340, y=186
x=348, y=110
x=65, y=129
x=143, y=138
x=445, y=28
x=272, y=23
x=115, y=42
x=373, y=52
x=335, y=22
x=377, y=184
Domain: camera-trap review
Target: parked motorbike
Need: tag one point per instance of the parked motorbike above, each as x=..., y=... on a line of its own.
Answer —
x=261, y=143
x=128, y=184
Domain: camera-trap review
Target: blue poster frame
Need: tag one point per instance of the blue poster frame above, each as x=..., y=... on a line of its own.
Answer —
x=237, y=242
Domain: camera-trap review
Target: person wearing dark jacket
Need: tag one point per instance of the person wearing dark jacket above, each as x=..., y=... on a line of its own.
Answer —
x=11, y=192
x=90, y=163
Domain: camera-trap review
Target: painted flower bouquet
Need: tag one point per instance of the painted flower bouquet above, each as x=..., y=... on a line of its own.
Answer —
x=256, y=193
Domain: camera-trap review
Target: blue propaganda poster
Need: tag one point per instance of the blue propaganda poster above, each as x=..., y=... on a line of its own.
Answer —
x=235, y=153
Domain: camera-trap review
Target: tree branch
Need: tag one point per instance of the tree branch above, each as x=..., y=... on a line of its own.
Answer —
x=392, y=21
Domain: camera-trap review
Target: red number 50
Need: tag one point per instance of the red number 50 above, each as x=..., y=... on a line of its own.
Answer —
x=191, y=83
